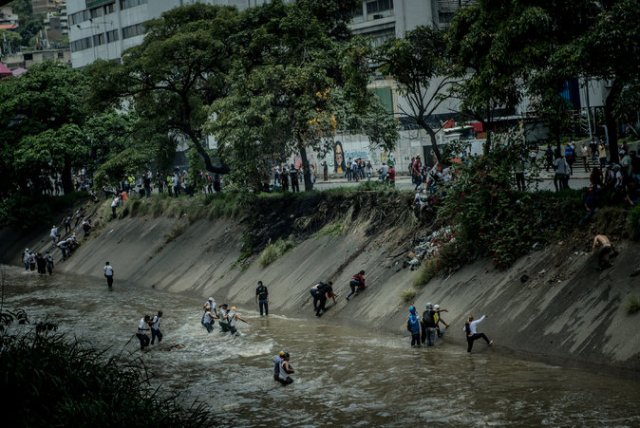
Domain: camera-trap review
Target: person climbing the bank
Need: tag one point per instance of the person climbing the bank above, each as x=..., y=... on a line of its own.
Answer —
x=262, y=298
x=285, y=370
x=108, y=273
x=277, y=360
x=438, y=319
x=413, y=325
x=429, y=325
x=143, y=327
x=54, y=234
x=114, y=204
x=606, y=251
x=471, y=331
x=155, y=328
x=324, y=292
x=86, y=226
x=357, y=284
x=233, y=318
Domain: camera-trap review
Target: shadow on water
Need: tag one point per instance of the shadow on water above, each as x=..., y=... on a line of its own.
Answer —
x=344, y=376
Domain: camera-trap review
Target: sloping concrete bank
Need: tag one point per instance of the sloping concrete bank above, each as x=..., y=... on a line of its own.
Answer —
x=565, y=310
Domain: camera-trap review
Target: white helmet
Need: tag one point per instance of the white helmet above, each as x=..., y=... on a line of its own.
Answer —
x=436, y=307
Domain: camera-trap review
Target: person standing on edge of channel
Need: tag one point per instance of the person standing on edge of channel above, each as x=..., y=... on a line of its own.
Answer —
x=262, y=298
x=155, y=328
x=108, y=273
x=471, y=330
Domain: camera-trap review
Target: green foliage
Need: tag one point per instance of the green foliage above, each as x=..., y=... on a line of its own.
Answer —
x=490, y=218
x=633, y=223
x=331, y=230
x=633, y=305
x=408, y=295
x=184, y=59
x=27, y=212
x=274, y=251
x=54, y=381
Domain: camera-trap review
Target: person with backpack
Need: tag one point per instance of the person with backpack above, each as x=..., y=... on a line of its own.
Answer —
x=413, y=325
x=324, y=292
x=262, y=298
x=357, y=284
x=429, y=325
x=143, y=327
x=471, y=331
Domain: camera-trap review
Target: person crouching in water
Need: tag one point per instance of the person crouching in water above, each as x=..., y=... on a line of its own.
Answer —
x=357, y=284
x=285, y=370
x=207, y=317
x=277, y=360
x=143, y=327
x=413, y=325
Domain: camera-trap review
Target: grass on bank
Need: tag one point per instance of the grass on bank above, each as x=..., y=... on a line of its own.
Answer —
x=274, y=251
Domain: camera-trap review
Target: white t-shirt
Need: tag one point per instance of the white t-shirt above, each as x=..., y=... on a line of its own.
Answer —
x=108, y=270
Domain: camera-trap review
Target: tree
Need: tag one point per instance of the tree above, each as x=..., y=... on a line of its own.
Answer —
x=174, y=75
x=292, y=85
x=610, y=50
x=495, y=47
x=416, y=62
x=53, y=151
x=46, y=98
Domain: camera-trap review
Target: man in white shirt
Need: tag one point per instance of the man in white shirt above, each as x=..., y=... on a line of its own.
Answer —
x=108, y=273
x=155, y=328
x=471, y=330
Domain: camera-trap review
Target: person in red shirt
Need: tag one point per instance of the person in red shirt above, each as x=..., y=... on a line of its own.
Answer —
x=391, y=176
x=357, y=284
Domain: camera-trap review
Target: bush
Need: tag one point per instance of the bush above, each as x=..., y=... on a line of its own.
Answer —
x=633, y=223
x=274, y=251
x=633, y=305
x=408, y=295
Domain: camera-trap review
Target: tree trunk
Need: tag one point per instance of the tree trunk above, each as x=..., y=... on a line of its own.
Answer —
x=610, y=120
x=67, y=180
x=308, y=184
x=432, y=135
x=196, y=141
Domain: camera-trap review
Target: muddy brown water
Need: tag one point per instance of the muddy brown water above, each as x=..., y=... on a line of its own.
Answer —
x=344, y=376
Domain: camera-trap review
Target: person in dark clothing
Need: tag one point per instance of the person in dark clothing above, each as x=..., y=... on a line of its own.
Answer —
x=429, y=325
x=324, y=292
x=262, y=298
x=49, y=259
x=143, y=327
x=284, y=179
x=590, y=200
x=295, y=185
x=42, y=264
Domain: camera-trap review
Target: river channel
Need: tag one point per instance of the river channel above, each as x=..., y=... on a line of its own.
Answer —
x=344, y=376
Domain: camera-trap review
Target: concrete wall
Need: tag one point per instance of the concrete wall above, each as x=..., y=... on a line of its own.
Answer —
x=566, y=310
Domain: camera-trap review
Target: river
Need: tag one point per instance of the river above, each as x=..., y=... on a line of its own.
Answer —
x=344, y=376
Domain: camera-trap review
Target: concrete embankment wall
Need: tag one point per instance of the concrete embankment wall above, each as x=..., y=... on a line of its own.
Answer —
x=565, y=310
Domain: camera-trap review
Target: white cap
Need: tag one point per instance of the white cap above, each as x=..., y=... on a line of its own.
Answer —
x=211, y=299
x=436, y=307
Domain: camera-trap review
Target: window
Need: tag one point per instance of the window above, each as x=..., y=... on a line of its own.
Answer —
x=98, y=39
x=28, y=57
x=376, y=6
x=97, y=12
x=112, y=36
x=132, y=31
x=81, y=44
x=60, y=54
x=126, y=4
